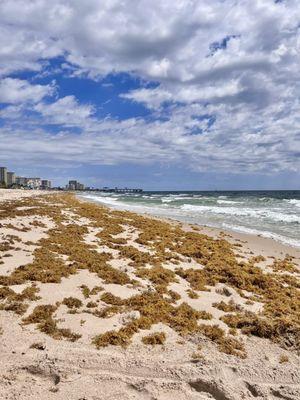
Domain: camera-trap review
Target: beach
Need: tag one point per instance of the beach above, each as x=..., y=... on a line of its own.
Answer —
x=271, y=214
x=99, y=303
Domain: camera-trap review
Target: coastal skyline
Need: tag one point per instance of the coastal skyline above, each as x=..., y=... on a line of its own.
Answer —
x=197, y=95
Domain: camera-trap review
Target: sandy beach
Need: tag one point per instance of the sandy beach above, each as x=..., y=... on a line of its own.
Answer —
x=103, y=304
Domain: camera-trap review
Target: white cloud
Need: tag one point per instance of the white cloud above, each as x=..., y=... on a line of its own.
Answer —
x=162, y=40
x=15, y=91
x=227, y=74
x=153, y=98
x=227, y=145
x=65, y=111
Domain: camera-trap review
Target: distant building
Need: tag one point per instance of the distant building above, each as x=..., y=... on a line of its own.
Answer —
x=72, y=185
x=34, y=183
x=3, y=176
x=21, y=181
x=75, y=185
x=11, y=178
x=45, y=184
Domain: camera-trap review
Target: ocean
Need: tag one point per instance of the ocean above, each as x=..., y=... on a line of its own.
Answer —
x=272, y=214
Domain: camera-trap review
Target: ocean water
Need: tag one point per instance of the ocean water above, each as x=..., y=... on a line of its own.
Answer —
x=272, y=214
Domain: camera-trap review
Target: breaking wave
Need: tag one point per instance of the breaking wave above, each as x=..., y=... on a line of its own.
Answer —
x=271, y=214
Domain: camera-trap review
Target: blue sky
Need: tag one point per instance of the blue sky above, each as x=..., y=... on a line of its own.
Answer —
x=173, y=95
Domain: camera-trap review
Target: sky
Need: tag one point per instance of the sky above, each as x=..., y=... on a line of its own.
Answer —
x=173, y=94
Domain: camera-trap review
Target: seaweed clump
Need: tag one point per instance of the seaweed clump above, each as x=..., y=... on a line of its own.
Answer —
x=15, y=302
x=90, y=292
x=227, y=307
x=227, y=345
x=47, y=267
x=42, y=315
x=154, y=338
x=282, y=331
x=153, y=308
x=109, y=298
x=72, y=302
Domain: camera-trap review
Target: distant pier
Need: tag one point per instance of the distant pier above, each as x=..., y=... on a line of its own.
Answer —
x=117, y=190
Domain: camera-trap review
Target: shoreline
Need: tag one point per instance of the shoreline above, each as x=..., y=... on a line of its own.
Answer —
x=257, y=244
x=258, y=230
x=251, y=242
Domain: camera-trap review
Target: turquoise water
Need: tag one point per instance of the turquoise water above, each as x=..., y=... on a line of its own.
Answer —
x=273, y=214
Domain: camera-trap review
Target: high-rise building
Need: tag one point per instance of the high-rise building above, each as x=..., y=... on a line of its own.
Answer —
x=11, y=178
x=3, y=176
x=45, y=184
x=21, y=181
x=75, y=185
x=34, y=183
x=72, y=185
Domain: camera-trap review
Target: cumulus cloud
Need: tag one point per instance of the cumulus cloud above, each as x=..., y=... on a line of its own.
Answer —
x=65, y=111
x=162, y=40
x=154, y=98
x=189, y=137
x=15, y=91
x=226, y=75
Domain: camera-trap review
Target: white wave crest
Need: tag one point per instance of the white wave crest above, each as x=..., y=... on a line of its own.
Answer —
x=266, y=234
x=243, y=212
x=101, y=199
x=295, y=202
x=169, y=199
x=228, y=202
